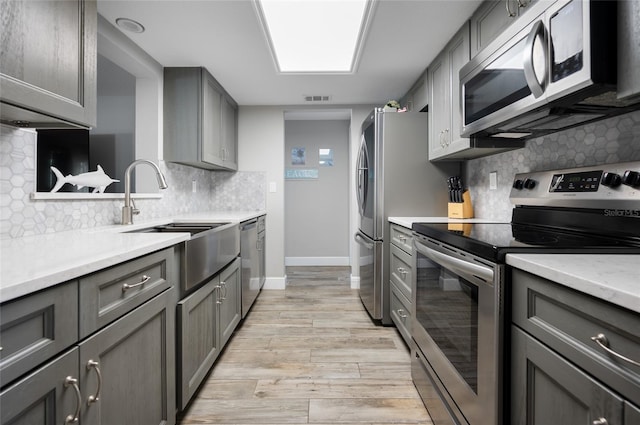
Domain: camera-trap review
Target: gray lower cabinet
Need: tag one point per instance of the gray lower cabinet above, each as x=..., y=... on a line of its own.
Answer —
x=205, y=321
x=200, y=120
x=48, y=66
x=401, y=274
x=560, y=373
x=116, y=369
x=42, y=397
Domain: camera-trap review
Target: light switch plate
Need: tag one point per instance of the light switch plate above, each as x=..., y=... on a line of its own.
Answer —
x=272, y=187
x=493, y=180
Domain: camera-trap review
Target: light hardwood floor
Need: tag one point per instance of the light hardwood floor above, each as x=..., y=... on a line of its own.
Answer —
x=310, y=354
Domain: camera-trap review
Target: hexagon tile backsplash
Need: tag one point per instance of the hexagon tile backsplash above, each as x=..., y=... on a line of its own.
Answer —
x=605, y=142
x=22, y=216
x=614, y=140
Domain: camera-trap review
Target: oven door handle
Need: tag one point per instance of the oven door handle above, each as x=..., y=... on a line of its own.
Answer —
x=463, y=268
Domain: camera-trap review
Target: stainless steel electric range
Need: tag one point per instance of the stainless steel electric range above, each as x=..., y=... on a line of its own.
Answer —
x=459, y=278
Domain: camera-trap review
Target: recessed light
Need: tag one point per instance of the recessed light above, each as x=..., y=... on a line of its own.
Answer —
x=130, y=25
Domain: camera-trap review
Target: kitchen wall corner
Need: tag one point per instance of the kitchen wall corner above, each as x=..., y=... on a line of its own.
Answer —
x=613, y=140
x=21, y=216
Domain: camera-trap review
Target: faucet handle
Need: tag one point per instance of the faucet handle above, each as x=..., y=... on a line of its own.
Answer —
x=134, y=210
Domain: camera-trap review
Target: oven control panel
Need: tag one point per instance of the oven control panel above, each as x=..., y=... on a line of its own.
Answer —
x=603, y=186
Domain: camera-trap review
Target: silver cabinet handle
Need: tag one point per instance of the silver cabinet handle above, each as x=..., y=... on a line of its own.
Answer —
x=600, y=421
x=224, y=290
x=402, y=239
x=145, y=279
x=401, y=313
x=402, y=271
x=511, y=14
x=218, y=290
x=447, y=141
x=92, y=364
x=70, y=381
x=603, y=342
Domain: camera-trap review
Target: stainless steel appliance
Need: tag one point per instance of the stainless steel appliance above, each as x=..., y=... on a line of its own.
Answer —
x=393, y=178
x=252, y=243
x=459, y=283
x=553, y=69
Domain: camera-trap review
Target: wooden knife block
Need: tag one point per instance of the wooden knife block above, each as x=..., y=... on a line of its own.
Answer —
x=463, y=209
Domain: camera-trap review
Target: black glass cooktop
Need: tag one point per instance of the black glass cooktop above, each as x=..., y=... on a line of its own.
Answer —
x=494, y=240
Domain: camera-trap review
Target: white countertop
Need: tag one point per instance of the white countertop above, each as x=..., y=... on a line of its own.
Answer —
x=613, y=278
x=37, y=262
x=408, y=221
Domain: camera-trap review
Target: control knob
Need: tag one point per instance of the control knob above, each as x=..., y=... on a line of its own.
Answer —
x=518, y=184
x=631, y=178
x=529, y=184
x=611, y=179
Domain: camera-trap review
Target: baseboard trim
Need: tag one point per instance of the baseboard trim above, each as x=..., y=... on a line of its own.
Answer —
x=355, y=282
x=316, y=261
x=275, y=283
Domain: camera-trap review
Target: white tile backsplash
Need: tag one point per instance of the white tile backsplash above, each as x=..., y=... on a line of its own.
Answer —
x=22, y=216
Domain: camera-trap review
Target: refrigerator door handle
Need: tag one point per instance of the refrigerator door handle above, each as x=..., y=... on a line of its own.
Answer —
x=359, y=239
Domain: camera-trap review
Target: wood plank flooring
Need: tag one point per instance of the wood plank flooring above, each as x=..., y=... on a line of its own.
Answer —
x=310, y=355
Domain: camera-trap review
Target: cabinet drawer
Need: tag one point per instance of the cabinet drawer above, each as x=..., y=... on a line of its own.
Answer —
x=402, y=237
x=566, y=320
x=400, y=270
x=37, y=327
x=401, y=313
x=41, y=397
x=109, y=294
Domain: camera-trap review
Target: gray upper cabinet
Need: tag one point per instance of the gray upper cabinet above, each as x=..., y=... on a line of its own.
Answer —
x=48, y=66
x=417, y=99
x=491, y=18
x=200, y=120
x=445, y=114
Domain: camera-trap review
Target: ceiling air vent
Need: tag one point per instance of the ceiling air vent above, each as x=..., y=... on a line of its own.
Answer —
x=317, y=98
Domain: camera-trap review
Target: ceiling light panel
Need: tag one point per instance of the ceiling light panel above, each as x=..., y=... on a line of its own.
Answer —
x=319, y=36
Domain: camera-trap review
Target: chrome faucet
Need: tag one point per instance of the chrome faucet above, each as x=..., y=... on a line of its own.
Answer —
x=129, y=209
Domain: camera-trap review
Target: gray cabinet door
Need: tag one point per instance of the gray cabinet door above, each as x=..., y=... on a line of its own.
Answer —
x=546, y=389
x=229, y=133
x=445, y=113
x=42, y=397
x=231, y=305
x=211, y=122
x=198, y=338
x=129, y=367
x=36, y=328
x=489, y=21
x=48, y=66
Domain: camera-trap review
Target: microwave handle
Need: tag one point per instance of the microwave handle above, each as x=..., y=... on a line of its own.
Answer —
x=537, y=87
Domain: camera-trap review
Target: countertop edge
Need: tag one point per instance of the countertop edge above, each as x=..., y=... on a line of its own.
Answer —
x=611, y=278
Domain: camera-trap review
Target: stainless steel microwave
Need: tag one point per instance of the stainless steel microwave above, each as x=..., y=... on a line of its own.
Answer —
x=554, y=68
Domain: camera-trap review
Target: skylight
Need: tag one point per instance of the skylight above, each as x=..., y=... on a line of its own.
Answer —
x=315, y=36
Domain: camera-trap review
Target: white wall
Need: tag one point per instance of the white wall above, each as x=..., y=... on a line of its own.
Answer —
x=260, y=148
x=317, y=210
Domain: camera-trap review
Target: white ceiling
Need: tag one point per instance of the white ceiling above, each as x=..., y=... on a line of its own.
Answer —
x=225, y=36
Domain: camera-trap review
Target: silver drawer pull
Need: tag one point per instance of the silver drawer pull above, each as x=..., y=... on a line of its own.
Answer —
x=402, y=271
x=145, y=279
x=224, y=290
x=600, y=421
x=401, y=314
x=603, y=342
x=402, y=238
x=96, y=366
x=218, y=294
x=70, y=381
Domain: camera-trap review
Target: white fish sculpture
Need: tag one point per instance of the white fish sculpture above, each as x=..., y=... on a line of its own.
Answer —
x=96, y=179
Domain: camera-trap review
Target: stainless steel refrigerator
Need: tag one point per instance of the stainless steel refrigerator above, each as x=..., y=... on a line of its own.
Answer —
x=393, y=178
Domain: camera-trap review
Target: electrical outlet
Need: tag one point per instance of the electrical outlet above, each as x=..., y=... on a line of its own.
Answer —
x=272, y=187
x=493, y=180
x=194, y=186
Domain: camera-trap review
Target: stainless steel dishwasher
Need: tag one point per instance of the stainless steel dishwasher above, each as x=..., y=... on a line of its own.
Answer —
x=253, y=260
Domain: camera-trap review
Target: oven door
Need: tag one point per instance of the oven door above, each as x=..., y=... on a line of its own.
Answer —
x=457, y=326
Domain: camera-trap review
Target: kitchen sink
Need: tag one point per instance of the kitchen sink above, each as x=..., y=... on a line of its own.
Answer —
x=211, y=247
